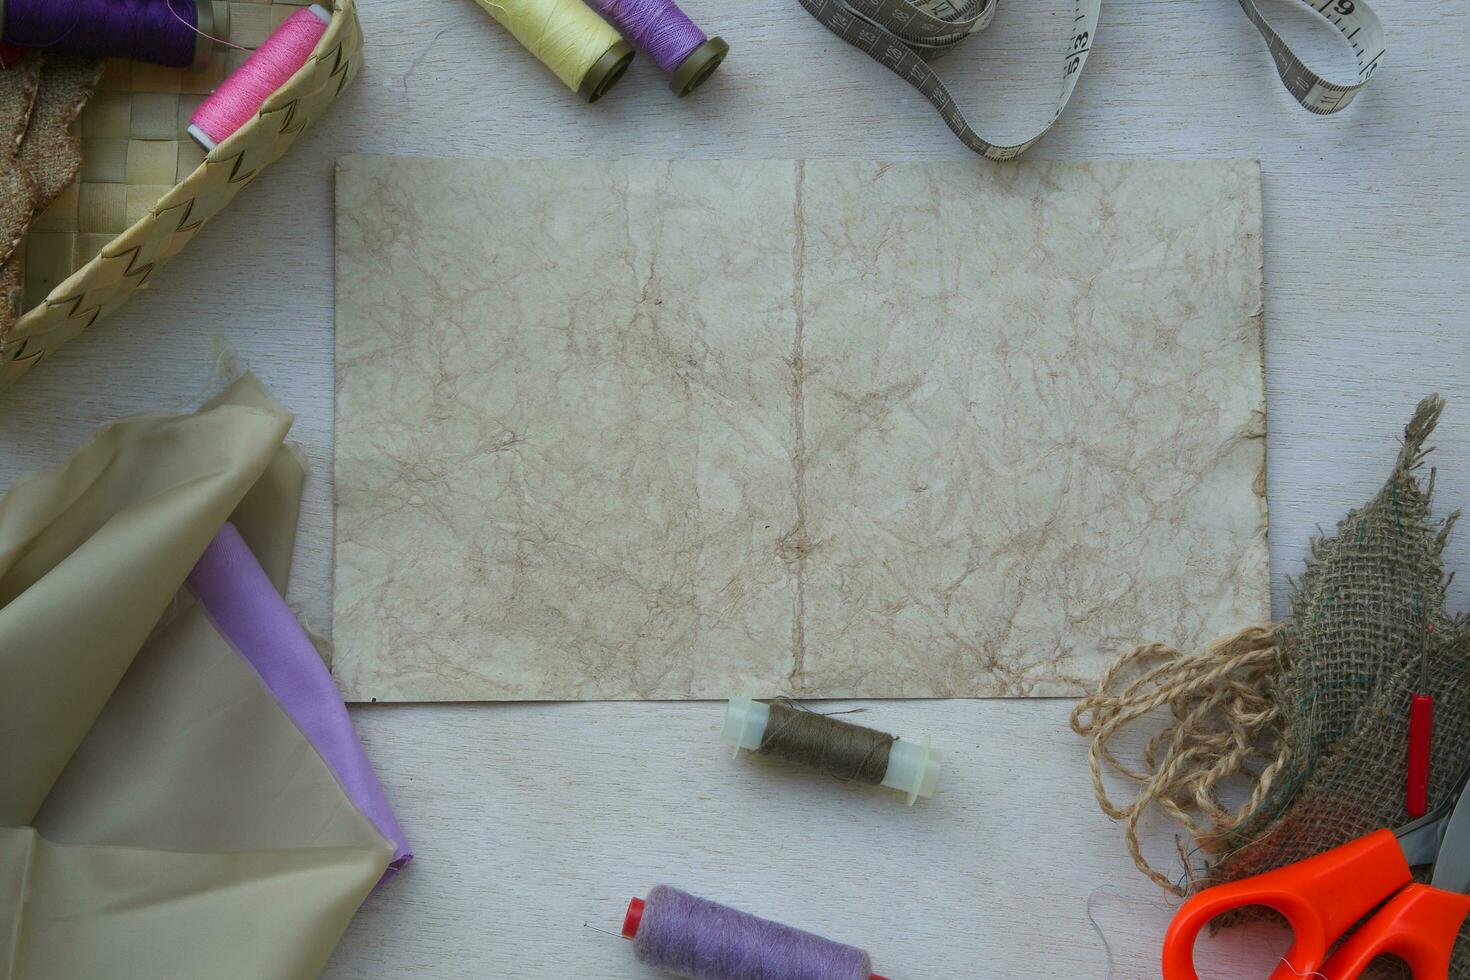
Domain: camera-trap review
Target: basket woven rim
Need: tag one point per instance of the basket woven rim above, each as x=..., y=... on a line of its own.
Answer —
x=73, y=289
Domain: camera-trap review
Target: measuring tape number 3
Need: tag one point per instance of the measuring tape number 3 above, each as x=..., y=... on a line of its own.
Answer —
x=904, y=35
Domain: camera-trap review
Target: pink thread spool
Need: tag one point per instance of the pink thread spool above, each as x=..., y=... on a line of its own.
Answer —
x=270, y=66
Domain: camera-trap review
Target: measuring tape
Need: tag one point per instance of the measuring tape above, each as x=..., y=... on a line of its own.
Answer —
x=902, y=35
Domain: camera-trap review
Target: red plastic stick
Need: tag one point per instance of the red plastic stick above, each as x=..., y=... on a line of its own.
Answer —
x=1421, y=734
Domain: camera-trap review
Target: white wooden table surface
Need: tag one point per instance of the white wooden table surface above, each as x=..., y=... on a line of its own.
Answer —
x=531, y=821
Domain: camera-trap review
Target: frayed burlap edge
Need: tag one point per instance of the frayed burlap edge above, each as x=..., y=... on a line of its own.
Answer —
x=18, y=198
x=51, y=151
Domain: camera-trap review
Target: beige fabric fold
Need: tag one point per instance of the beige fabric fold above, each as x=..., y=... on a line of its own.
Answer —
x=124, y=913
x=160, y=815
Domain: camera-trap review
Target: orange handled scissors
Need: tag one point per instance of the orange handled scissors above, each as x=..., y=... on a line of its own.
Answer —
x=1323, y=896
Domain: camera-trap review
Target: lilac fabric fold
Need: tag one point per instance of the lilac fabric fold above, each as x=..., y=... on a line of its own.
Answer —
x=251, y=614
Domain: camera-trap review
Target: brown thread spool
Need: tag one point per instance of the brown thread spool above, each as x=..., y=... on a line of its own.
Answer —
x=853, y=753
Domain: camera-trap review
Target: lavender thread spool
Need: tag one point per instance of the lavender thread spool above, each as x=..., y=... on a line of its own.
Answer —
x=670, y=38
x=174, y=33
x=694, y=937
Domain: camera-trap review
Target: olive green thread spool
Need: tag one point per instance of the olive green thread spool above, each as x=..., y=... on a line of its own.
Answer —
x=783, y=729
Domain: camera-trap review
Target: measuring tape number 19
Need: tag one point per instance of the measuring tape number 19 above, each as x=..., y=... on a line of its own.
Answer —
x=903, y=35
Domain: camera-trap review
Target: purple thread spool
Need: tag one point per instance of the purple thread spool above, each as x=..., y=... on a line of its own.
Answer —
x=694, y=937
x=174, y=33
x=670, y=38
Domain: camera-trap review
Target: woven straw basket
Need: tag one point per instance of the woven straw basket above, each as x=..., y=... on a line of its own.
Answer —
x=146, y=187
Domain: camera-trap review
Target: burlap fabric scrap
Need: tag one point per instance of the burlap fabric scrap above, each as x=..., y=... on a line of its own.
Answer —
x=51, y=152
x=41, y=97
x=18, y=86
x=1310, y=716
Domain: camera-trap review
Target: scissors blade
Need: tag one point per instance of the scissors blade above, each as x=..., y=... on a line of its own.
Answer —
x=1452, y=863
x=1421, y=839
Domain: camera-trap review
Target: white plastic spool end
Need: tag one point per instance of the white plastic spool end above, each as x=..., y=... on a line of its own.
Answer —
x=745, y=724
x=202, y=138
x=913, y=768
x=321, y=13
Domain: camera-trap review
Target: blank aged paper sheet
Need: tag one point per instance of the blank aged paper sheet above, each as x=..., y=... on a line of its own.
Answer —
x=639, y=429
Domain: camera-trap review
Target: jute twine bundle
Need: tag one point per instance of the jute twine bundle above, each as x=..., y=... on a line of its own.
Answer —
x=1306, y=721
x=1223, y=723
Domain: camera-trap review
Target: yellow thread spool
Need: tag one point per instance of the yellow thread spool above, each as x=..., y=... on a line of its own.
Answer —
x=567, y=36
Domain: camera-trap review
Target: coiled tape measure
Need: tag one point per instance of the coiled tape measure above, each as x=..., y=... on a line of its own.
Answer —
x=902, y=35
